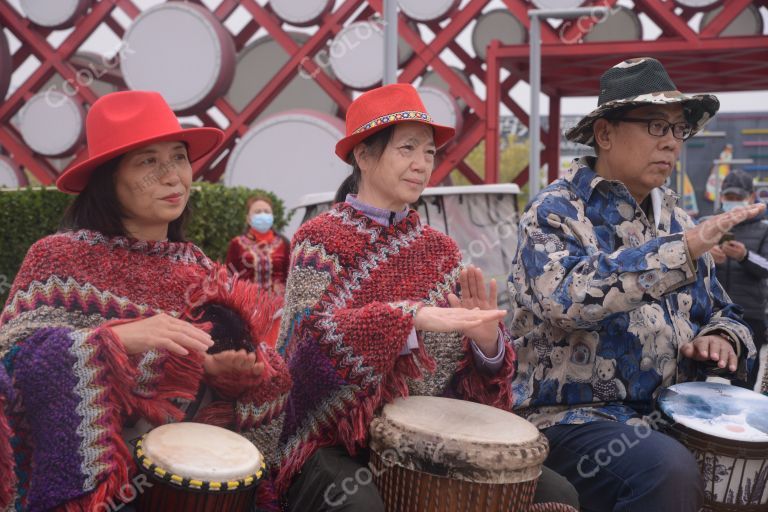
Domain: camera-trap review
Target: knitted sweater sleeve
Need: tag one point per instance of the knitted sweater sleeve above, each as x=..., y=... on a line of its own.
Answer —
x=472, y=382
x=7, y=477
x=75, y=387
x=78, y=387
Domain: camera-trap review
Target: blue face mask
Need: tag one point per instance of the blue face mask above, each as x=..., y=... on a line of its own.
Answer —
x=261, y=222
x=730, y=205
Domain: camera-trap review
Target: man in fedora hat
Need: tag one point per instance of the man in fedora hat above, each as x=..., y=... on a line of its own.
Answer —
x=616, y=297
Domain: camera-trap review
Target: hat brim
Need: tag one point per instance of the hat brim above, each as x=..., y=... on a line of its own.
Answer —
x=698, y=110
x=199, y=141
x=736, y=191
x=443, y=134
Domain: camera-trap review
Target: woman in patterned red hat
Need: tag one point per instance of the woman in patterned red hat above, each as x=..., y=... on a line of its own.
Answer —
x=106, y=329
x=369, y=282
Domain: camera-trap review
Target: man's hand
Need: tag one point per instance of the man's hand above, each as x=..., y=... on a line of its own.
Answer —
x=718, y=255
x=734, y=250
x=711, y=348
x=705, y=236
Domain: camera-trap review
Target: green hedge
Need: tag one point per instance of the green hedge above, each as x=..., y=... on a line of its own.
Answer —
x=26, y=215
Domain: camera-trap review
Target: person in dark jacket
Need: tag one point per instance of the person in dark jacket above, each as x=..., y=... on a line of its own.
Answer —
x=742, y=262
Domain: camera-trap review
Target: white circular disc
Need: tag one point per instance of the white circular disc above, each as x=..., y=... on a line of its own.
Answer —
x=258, y=63
x=202, y=452
x=290, y=154
x=431, y=10
x=9, y=173
x=557, y=4
x=356, y=54
x=6, y=65
x=54, y=14
x=51, y=123
x=92, y=70
x=303, y=13
x=442, y=107
x=748, y=23
x=621, y=24
x=432, y=79
x=497, y=24
x=181, y=51
x=698, y=4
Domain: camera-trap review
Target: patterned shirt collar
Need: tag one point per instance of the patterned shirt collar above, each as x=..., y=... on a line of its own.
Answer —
x=378, y=215
x=585, y=180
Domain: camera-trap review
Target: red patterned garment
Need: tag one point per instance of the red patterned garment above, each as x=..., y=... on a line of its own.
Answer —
x=353, y=291
x=76, y=389
x=261, y=258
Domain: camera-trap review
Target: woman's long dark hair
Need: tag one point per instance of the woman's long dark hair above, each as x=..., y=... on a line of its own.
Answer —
x=96, y=208
x=375, y=145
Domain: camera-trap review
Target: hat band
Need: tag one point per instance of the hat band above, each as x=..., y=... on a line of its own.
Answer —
x=414, y=115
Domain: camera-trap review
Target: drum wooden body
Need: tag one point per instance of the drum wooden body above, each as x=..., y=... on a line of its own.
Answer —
x=198, y=468
x=432, y=454
x=726, y=428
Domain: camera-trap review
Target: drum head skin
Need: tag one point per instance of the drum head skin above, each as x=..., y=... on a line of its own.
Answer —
x=719, y=410
x=190, y=65
x=301, y=14
x=51, y=123
x=202, y=452
x=462, y=440
x=748, y=23
x=557, y=4
x=698, y=4
x=497, y=24
x=6, y=64
x=54, y=14
x=258, y=62
x=356, y=54
x=431, y=10
x=622, y=24
x=10, y=174
x=290, y=154
x=442, y=107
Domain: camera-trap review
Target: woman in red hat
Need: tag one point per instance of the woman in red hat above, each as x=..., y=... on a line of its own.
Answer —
x=370, y=312
x=109, y=328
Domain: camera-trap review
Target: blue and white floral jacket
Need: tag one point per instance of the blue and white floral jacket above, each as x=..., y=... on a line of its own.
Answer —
x=604, y=296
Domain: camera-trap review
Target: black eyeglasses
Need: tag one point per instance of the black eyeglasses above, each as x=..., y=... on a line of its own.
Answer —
x=660, y=127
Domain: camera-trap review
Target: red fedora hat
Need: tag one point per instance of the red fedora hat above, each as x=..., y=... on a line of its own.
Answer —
x=123, y=121
x=384, y=106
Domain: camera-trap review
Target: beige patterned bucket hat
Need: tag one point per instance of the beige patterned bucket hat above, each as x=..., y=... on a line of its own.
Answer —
x=637, y=82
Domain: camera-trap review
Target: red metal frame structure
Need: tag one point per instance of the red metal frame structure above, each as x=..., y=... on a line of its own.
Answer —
x=700, y=62
x=697, y=61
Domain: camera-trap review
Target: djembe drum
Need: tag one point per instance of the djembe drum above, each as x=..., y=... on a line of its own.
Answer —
x=431, y=454
x=194, y=467
x=726, y=428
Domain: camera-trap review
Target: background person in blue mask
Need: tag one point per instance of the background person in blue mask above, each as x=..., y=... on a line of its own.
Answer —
x=742, y=259
x=260, y=254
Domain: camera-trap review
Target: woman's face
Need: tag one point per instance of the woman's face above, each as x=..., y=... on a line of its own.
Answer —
x=152, y=185
x=400, y=175
x=258, y=207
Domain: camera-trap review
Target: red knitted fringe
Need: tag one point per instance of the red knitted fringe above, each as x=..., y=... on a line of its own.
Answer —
x=352, y=427
x=219, y=414
x=118, y=375
x=257, y=308
x=494, y=390
x=7, y=477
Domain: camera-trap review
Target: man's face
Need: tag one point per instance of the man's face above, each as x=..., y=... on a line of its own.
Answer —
x=632, y=155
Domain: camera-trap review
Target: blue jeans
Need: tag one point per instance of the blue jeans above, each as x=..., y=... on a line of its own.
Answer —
x=621, y=468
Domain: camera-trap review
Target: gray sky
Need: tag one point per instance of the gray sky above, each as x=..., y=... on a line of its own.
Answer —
x=104, y=42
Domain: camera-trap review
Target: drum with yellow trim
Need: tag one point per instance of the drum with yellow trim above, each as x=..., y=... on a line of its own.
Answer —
x=193, y=467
